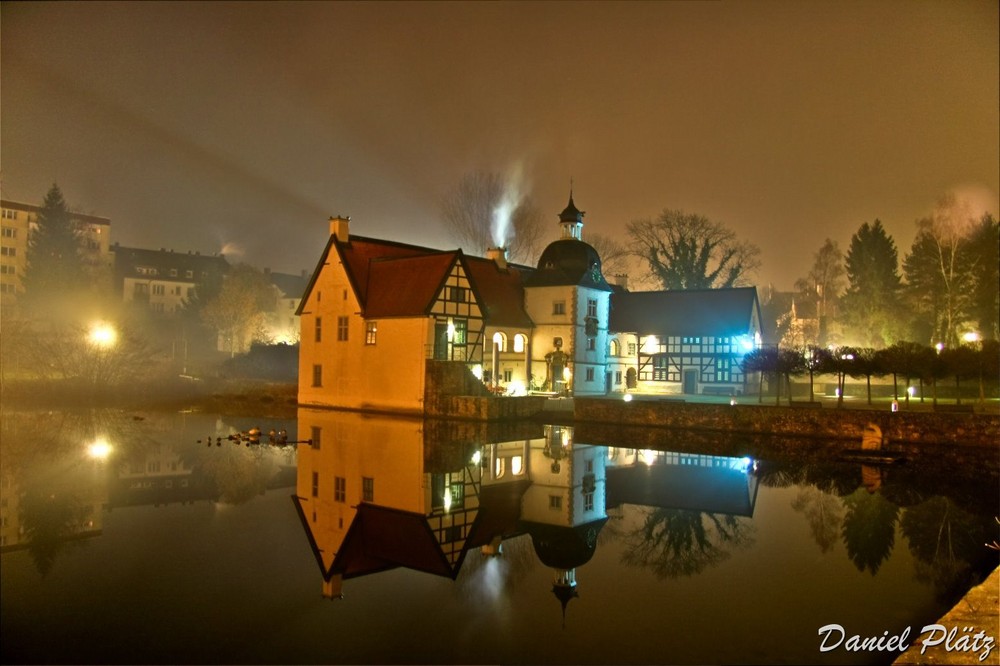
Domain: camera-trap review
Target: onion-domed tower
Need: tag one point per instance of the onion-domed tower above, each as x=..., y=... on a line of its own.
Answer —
x=568, y=299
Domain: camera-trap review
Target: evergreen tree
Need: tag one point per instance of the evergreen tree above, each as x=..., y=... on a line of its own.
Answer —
x=55, y=270
x=871, y=303
x=984, y=257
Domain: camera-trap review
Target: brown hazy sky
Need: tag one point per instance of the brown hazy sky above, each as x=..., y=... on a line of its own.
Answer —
x=196, y=126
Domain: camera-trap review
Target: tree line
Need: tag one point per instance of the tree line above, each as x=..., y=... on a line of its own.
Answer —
x=944, y=287
x=905, y=362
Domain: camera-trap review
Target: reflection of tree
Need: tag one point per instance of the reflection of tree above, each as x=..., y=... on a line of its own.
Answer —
x=869, y=529
x=675, y=543
x=48, y=520
x=240, y=472
x=823, y=512
x=946, y=541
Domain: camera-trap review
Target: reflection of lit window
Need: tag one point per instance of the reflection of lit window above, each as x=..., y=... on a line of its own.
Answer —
x=516, y=465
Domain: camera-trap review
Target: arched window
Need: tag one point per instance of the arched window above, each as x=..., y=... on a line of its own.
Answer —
x=500, y=339
x=615, y=349
x=520, y=341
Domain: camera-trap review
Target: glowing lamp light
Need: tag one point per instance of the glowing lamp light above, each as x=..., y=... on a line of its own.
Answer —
x=99, y=449
x=517, y=388
x=746, y=343
x=567, y=374
x=451, y=331
x=477, y=370
x=939, y=346
x=627, y=397
x=911, y=390
x=647, y=456
x=971, y=336
x=476, y=458
x=651, y=345
x=102, y=335
x=447, y=499
x=517, y=465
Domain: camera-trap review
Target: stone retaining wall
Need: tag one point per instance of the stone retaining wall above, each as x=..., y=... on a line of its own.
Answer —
x=964, y=429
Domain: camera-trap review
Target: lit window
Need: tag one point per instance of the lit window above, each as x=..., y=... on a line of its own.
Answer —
x=519, y=341
x=371, y=331
x=499, y=339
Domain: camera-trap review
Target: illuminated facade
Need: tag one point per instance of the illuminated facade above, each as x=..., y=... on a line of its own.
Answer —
x=375, y=312
x=17, y=221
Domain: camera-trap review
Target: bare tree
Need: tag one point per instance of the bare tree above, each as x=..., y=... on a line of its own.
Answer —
x=823, y=285
x=484, y=210
x=614, y=256
x=689, y=251
x=240, y=309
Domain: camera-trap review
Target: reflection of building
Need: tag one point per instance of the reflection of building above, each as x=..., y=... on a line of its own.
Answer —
x=374, y=494
x=17, y=224
x=686, y=481
x=375, y=312
x=368, y=504
x=564, y=509
x=68, y=505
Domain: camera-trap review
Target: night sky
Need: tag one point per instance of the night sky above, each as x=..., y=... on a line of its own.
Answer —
x=244, y=126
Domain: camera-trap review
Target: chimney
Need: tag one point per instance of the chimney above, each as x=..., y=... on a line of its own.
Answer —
x=499, y=255
x=620, y=279
x=340, y=227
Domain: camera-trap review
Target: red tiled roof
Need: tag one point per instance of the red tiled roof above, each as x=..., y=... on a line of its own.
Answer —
x=501, y=292
x=358, y=253
x=406, y=287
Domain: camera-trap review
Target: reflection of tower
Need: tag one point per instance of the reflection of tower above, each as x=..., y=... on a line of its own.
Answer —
x=564, y=509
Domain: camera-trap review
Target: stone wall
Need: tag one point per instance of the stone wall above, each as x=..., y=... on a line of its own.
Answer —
x=453, y=392
x=964, y=429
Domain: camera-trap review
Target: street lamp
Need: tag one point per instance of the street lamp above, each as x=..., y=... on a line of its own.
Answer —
x=102, y=335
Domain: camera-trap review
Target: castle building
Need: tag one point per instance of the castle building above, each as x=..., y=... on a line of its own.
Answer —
x=376, y=312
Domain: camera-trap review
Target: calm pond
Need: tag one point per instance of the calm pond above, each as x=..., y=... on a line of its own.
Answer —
x=168, y=538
